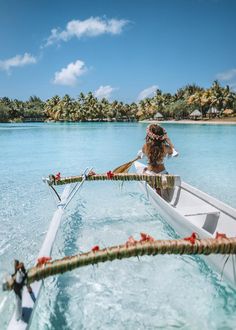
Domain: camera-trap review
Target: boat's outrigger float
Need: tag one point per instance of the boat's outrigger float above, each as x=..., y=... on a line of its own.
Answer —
x=207, y=225
x=25, y=306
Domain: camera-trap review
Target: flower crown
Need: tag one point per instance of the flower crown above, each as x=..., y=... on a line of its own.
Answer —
x=153, y=136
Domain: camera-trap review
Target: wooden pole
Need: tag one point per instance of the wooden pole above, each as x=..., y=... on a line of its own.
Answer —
x=157, y=181
x=128, y=250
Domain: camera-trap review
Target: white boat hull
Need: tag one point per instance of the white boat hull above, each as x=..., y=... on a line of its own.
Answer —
x=191, y=210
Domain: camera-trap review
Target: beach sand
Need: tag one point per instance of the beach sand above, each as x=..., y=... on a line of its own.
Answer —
x=189, y=121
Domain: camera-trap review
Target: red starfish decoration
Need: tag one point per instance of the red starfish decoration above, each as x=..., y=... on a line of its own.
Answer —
x=43, y=260
x=58, y=176
x=131, y=241
x=110, y=175
x=146, y=238
x=95, y=248
x=220, y=235
x=192, y=238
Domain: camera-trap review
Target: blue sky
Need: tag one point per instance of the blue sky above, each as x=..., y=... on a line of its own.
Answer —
x=121, y=49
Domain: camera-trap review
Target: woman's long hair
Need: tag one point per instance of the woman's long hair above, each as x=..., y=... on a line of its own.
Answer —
x=155, y=140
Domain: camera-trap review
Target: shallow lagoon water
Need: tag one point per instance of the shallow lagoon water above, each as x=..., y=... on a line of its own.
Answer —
x=153, y=292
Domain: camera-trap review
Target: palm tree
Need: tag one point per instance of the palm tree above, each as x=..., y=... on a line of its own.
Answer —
x=76, y=112
x=81, y=97
x=90, y=106
x=104, y=109
x=65, y=107
x=133, y=110
x=229, y=98
x=150, y=107
x=160, y=102
x=198, y=99
x=50, y=107
x=141, y=113
x=216, y=95
x=188, y=90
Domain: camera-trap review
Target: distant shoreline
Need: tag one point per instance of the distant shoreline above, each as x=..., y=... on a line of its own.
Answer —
x=183, y=121
x=192, y=122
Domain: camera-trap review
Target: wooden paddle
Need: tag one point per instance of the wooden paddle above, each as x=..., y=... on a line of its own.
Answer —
x=125, y=167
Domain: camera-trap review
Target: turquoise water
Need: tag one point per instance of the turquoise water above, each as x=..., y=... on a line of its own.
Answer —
x=162, y=292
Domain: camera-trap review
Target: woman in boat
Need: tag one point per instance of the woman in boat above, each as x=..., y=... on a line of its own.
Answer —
x=158, y=145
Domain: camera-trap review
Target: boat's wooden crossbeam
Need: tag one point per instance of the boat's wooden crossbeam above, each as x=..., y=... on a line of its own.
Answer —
x=178, y=246
x=155, y=181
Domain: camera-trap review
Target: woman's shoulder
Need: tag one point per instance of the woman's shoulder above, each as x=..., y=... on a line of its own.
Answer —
x=144, y=148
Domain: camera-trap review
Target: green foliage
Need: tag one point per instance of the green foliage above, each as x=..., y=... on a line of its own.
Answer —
x=89, y=108
x=4, y=112
x=33, y=114
x=179, y=109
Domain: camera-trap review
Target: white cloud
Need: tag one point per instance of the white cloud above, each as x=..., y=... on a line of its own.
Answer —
x=16, y=61
x=227, y=75
x=148, y=92
x=70, y=74
x=90, y=27
x=104, y=92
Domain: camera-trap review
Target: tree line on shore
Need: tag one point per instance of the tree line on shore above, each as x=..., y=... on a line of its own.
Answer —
x=88, y=108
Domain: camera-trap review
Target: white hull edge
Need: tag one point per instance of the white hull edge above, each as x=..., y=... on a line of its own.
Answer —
x=191, y=210
x=28, y=305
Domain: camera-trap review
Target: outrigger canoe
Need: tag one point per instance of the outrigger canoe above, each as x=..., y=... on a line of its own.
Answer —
x=187, y=209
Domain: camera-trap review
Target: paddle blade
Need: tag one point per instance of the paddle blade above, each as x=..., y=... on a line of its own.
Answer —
x=125, y=167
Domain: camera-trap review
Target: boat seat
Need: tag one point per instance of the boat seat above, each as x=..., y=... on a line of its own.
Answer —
x=206, y=220
x=211, y=222
x=190, y=205
x=177, y=180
